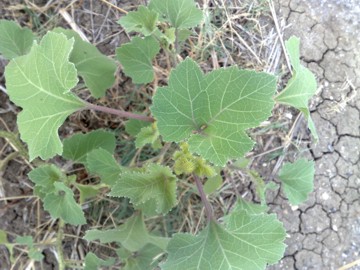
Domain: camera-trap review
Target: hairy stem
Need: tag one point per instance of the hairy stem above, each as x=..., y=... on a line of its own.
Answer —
x=119, y=112
x=59, y=248
x=207, y=205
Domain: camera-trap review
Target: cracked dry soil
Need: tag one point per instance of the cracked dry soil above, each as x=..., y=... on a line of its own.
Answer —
x=325, y=231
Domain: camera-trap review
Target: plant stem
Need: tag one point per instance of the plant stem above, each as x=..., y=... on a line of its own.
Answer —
x=120, y=113
x=207, y=205
x=59, y=248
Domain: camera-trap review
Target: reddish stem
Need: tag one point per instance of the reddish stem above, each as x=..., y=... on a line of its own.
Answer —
x=207, y=205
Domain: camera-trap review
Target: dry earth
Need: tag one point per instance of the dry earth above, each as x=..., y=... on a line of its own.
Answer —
x=325, y=231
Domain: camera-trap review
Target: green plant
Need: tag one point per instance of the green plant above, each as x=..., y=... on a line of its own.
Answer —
x=207, y=116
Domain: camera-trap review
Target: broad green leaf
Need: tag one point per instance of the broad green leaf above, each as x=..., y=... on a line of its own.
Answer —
x=180, y=13
x=136, y=58
x=25, y=240
x=15, y=41
x=145, y=259
x=213, y=183
x=142, y=21
x=249, y=207
x=40, y=83
x=45, y=176
x=97, y=70
x=100, y=162
x=61, y=204
x=301, y=87
x=35, y=254
x=132, y=235
x=297, y=179
x=147, y=135
x=247, y=242
x=92, y=262
x=213, y=111
x=156, y=187
x=133, y=126
x=77, y=146
x=87, y=191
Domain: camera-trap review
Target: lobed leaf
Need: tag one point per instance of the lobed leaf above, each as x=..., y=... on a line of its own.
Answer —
x=61, y=204
x=247, y=242
x=213, y=111
x=100, y=162
x=15, y=41
x=40, y=83
x=145, y=258
x=147, y=135
x=143, y=21
x=79, y=145
x=301, y=87
x=97, y=70
x=180, y=13
x=297, y=179
x=136, y=58
x=153, y=191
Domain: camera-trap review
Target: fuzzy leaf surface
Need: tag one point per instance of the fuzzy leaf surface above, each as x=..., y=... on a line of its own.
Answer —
x=15, y=41
x=40, y=83
x=136, y=58
x=301, y=87
x=247, y=242
x=134, y=126
x=213, y=111
x=143, y=21
x=132, y=235
x=155, y=188
x=144, y=259
x=61, y=204
x=297, y=179
x=77, y=146
x=147, y=135
x=180, y=13
x=103, y=164
x=45, y=176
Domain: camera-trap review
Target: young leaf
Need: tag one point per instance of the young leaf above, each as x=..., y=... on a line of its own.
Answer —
x=100, y=162
x=247, y=242
x=45, y=176
x=142, y=21
x=61, y=204
x=156, y=187
x=147, y=135
x=92, y=262
x=144, y=259
x=33, y=252
x=180, y=13
x=213, y=183
x=297, y=179
x=15, y=41
x=301, y=87
x=87, y=191
x=77, y=146
x=96, y=69
x=133, y=126
x=132, y=235
x=213, y=111
x=40, y=83
x=136, y=58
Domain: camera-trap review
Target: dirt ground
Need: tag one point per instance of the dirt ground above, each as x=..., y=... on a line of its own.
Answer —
x=324, y=232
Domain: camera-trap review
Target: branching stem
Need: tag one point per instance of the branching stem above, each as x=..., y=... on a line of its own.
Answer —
x=207, y=205
x=120, y=113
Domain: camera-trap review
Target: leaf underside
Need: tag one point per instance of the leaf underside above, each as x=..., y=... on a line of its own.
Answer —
x=247, y=242
x=213, y=111
x=301, y=87
x=40, y=83
x=297, y=179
